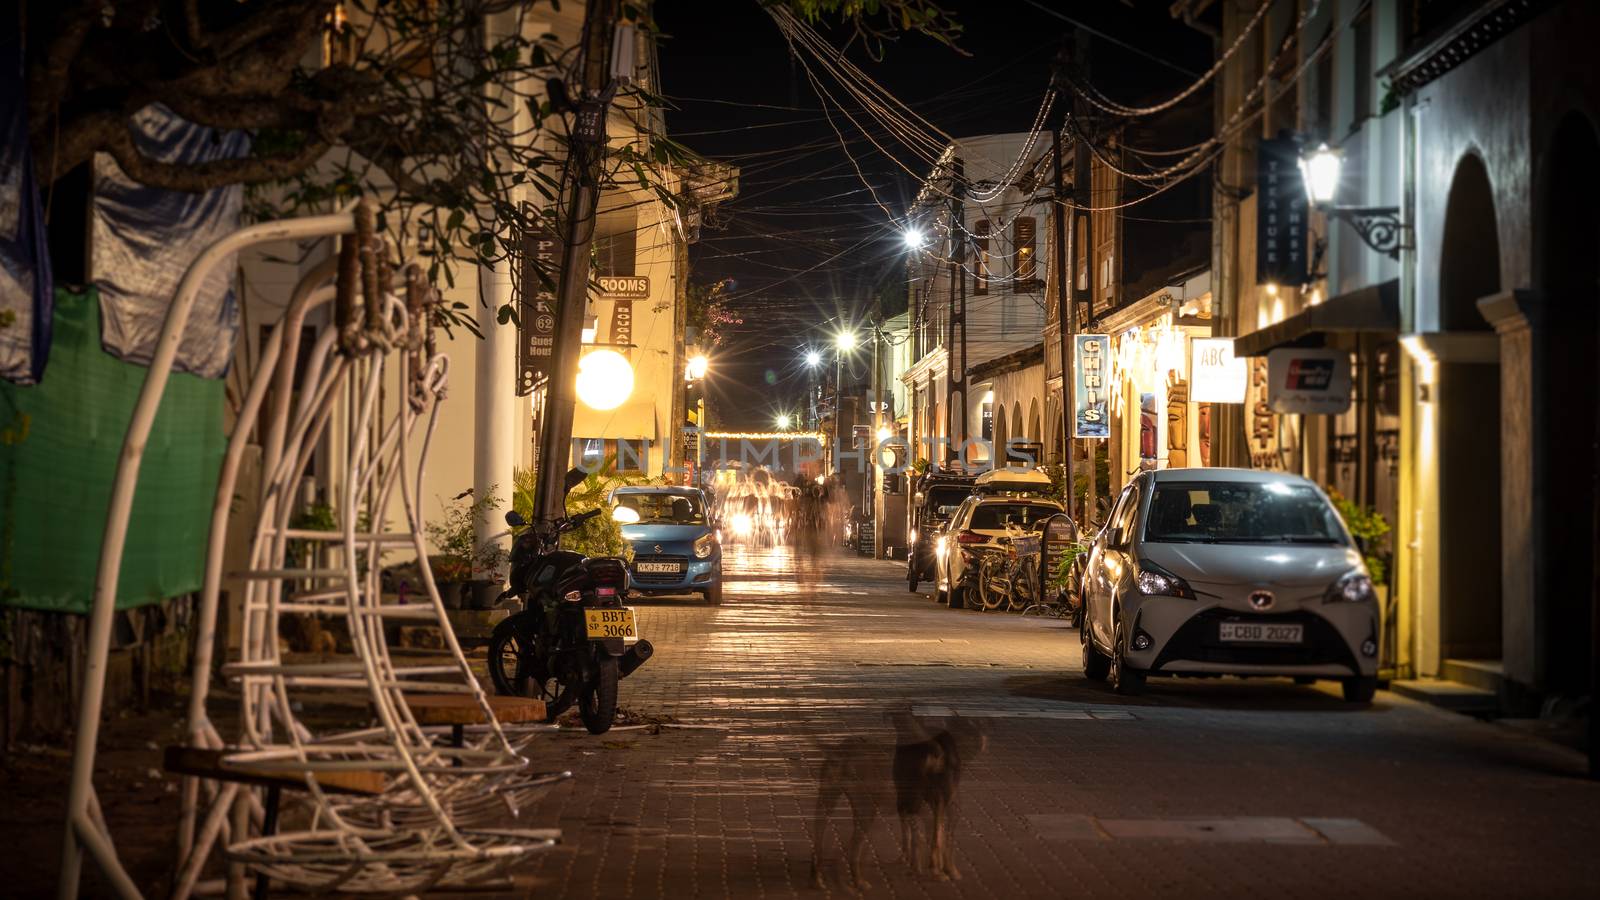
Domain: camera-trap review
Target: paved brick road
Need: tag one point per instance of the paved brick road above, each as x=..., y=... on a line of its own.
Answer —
x=1198, y=789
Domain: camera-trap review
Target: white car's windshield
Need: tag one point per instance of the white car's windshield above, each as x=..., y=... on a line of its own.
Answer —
x=678, y=509
x=1238, y=512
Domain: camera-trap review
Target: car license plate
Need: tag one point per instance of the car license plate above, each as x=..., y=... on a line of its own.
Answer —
x=1261, y=633
x=665, y=568
x=609, y=623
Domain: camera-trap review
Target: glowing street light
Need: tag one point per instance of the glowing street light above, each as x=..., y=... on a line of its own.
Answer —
x=1320, y=170
x=698, y=365
x=1379, y=227
x=914, y=238
x=846, y=341
x=813, y=358
x=884, y=434
x=783, y=421
x=605, y=379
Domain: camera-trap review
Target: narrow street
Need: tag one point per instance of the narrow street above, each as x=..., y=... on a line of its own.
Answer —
x=1198, y=788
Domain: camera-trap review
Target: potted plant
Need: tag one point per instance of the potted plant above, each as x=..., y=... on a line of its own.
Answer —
x=460, y=561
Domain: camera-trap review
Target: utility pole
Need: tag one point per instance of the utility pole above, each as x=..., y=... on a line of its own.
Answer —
x=1083, y=224
x=587, y=147
x=956, y=354
x=1064, y=326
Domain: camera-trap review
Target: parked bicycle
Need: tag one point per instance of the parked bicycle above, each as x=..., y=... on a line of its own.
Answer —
x=1010, y=575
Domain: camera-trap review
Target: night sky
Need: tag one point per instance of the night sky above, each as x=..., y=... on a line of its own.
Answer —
x=805, y=244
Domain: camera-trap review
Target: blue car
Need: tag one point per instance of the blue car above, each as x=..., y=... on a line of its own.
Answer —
x=675, y=546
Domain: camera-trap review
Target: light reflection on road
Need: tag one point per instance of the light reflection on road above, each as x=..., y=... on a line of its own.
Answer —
x=778, y=570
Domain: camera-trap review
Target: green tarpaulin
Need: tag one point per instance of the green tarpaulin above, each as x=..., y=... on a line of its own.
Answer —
x=59, y=442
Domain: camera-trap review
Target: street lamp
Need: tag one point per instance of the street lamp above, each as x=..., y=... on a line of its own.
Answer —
x=783, y=421
x=813, y=358
x=698, y=366
x=914, y=238
x=605, y=379
x=1380, y=227
x=846, y=341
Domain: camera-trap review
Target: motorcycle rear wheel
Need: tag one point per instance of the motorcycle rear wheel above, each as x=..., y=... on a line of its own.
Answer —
x=598, y=705
x=515, y=670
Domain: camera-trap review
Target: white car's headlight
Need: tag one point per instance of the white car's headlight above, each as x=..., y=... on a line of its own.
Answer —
x=1354, y=587
x=704, y=546
x=1158, y=582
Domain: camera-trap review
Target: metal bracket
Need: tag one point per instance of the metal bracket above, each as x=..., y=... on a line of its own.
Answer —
x=1380, y=227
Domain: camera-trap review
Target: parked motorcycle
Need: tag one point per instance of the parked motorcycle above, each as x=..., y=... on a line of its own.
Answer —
x=568, y=644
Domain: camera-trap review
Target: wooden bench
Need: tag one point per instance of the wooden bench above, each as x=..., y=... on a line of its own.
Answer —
x=460, y=710
x=207, y=763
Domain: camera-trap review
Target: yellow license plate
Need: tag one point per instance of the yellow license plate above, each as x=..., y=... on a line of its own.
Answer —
x=609, y=623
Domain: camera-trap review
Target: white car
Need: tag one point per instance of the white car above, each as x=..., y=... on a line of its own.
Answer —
x=973, y=529
x=1228, y=572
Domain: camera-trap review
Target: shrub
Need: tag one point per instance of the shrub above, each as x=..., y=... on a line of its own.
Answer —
x=1370, y=526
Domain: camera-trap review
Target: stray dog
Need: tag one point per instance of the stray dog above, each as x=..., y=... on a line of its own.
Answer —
x=925, y=769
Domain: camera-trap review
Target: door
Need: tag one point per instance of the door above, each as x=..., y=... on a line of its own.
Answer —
x=1108, y=562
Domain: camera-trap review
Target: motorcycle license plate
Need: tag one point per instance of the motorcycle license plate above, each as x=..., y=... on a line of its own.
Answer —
x=609, y=623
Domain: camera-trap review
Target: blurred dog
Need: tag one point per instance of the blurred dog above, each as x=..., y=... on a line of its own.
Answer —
x=924, y=768
x=927, y=773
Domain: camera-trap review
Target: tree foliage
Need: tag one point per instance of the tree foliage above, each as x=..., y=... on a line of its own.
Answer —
x=439, y=111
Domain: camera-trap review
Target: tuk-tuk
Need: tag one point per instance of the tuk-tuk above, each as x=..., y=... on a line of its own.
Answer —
x=935, y=496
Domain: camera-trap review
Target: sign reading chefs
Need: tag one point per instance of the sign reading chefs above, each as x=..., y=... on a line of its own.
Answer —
x=1093, y=365
x=1308, y=380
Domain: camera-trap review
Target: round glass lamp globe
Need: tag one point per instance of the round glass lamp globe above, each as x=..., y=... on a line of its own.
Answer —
x=605, y=379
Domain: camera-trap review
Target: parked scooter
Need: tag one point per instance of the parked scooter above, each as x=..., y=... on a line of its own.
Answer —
x=568, y=643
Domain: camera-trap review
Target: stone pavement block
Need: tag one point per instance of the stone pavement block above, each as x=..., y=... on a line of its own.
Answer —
x=1348, y=831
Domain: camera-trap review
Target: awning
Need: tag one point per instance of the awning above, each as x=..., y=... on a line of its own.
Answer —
x=1369, y=309
x=632, y=421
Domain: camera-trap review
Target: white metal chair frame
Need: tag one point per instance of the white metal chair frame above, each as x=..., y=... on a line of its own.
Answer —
x=432, y=828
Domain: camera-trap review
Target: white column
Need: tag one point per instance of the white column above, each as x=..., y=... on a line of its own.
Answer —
x=495, y=406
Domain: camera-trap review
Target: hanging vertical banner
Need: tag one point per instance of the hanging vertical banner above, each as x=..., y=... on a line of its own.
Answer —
x=1091, y=359
x=1280, y=214
x=536, y=309
x=622, y=327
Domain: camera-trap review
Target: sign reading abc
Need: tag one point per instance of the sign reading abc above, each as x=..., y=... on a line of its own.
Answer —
x=626, y=287
x=1308, y=381
x=1215, y=374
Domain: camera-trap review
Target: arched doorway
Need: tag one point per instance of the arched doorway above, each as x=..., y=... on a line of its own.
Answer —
x=1569, y=259
x=1035, y=430
x=1000, y=433
x=1468, y=439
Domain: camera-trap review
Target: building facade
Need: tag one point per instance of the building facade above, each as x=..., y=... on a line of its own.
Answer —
x=1455, y=264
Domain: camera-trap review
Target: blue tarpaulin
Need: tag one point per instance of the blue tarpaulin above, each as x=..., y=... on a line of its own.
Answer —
x=25, y=284
x=145, y=238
